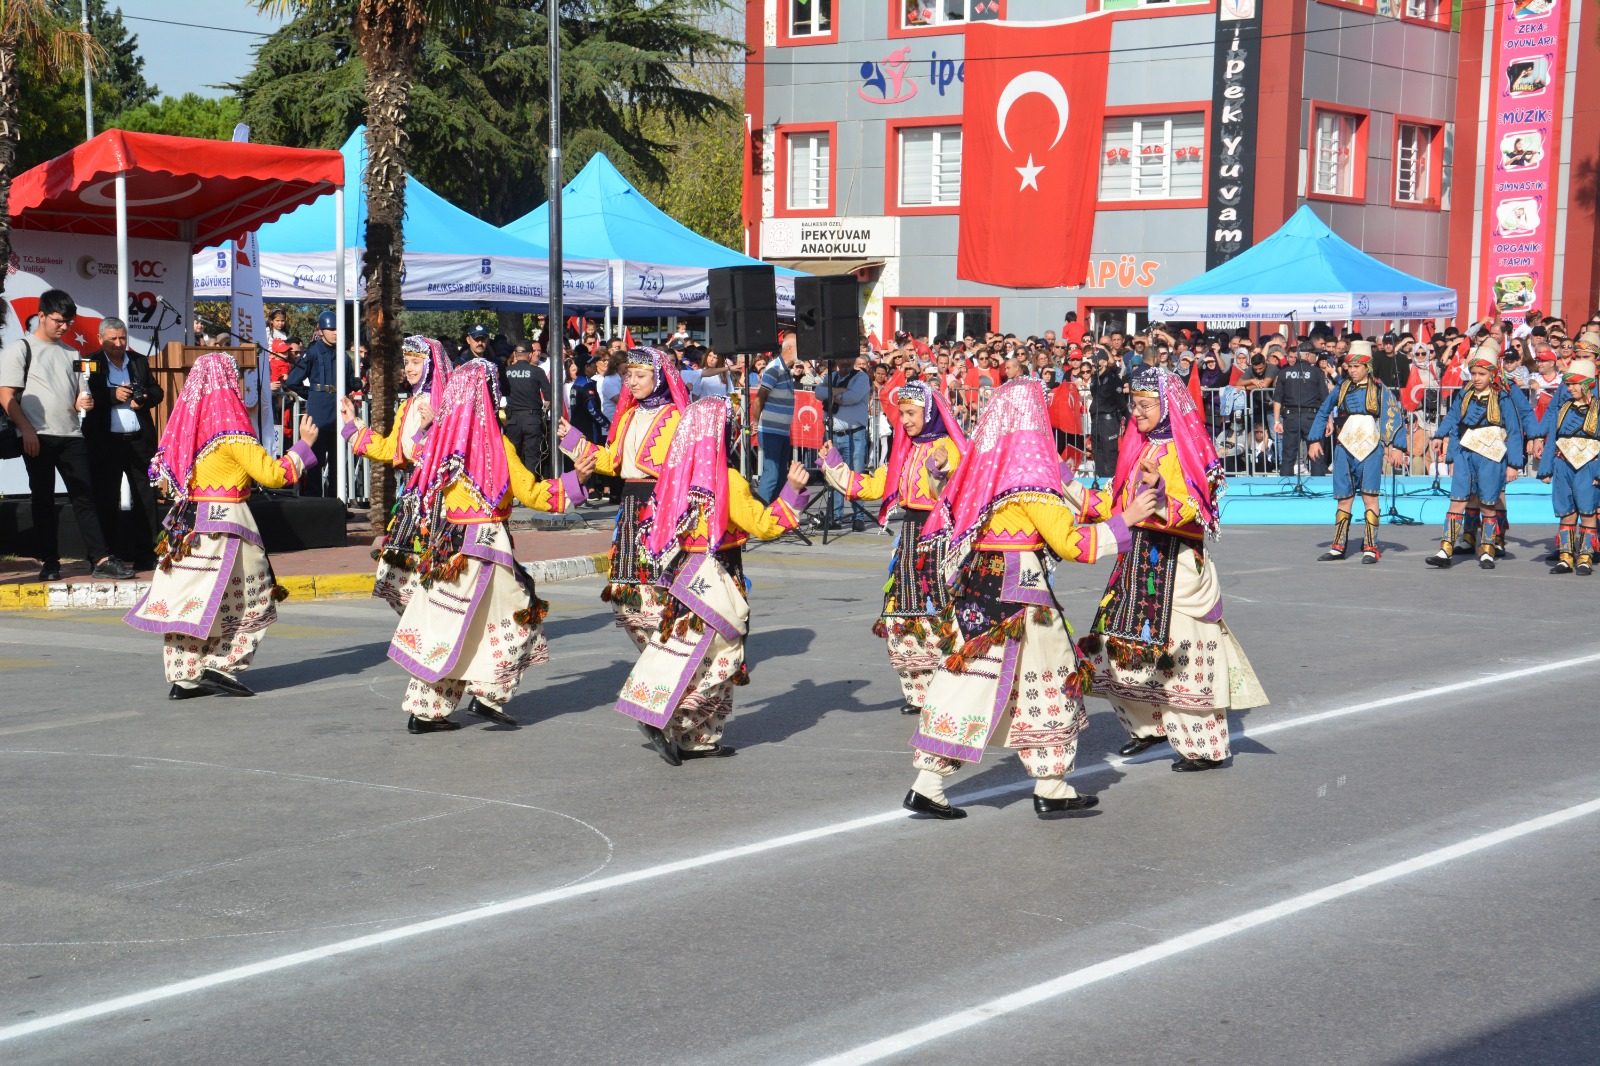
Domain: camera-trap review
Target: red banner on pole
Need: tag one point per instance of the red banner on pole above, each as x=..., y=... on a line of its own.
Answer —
x=1035, y=102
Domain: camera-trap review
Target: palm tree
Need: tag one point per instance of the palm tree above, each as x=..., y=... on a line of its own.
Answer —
x=388, y=36
x=39, y=33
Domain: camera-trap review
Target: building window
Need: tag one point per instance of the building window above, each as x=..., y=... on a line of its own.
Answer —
x=930, y=166
x=1153, y=157
x=943, y=325
x=808, y=163
x=1337, y=153
x=1413, y=163
x=810, y=18
x=1134, y=5
x=920, y=14
x=1424, y=10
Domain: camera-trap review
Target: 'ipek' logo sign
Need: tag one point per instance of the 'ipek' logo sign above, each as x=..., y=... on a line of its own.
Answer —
x=1229, y=228
x=888, y=81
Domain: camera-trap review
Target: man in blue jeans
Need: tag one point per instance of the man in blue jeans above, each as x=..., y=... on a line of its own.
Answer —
x=773, y=414
x=850, y=388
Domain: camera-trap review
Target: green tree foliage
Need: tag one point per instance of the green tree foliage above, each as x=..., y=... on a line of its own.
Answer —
x=704, y=179
x=122, y=70
x=478, y=122
x=189, y=115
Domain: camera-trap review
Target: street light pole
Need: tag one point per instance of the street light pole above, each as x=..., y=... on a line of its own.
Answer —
x=555, y=328
x=88, y=79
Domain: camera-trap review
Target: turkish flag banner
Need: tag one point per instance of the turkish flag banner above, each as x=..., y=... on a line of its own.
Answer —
x=1030, y=131
x=806, y=431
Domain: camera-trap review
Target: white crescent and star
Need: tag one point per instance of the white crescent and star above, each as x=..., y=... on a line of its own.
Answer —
x=1029, y=83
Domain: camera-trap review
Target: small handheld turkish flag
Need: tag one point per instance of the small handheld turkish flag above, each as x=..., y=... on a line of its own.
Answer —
x=806, y=430
x=1035, y=102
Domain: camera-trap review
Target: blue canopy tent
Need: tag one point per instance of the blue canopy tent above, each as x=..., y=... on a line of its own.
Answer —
x=1307, y=272
x=452, y=258
x=659, y=263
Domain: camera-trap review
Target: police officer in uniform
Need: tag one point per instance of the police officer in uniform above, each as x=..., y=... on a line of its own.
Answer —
x=1301, y=388
x=314, y=379
x=527, y=399
x=1108, y=401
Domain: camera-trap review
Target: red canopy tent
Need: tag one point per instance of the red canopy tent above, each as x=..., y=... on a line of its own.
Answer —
x=201, y=192
x=171, y=188
x=123, y=185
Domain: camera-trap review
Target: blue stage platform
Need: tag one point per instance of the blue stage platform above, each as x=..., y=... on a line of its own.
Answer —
x=1270, y=501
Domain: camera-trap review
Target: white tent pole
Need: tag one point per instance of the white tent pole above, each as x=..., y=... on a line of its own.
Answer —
x=619, y=281
x=340, y=469
x=123, y=268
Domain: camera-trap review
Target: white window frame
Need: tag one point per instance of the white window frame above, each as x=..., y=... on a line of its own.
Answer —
x=940, y=164
x=1424, y=10
x=816, y=7
x=1328, y=177
x=1144, y=127
x=1414, y=163
x=937, y=316
x=818, y=177
x=940, y=16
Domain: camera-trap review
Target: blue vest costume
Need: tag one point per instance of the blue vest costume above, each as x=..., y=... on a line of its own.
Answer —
x=1572, y=488
x=1474, y=474
x=1350, y=474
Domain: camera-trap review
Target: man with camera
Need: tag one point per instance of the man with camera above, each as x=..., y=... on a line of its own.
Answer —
x=121, y=437
x=41, y=393
x=1108, y=402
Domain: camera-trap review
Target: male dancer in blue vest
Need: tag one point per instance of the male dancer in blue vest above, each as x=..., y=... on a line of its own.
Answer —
x=1485, y=435
x=1571, y=462
x=1364, y=419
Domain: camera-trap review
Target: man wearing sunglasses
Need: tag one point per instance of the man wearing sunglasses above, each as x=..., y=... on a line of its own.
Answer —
x=42, y=393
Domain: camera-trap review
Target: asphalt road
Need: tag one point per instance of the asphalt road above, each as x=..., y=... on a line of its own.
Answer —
x=1400, y=866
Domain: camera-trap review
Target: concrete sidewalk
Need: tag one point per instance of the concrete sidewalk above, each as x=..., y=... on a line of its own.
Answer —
x=551, y=547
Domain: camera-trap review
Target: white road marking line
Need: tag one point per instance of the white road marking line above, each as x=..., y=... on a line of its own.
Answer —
x=651, y=873
x=37, y=727
x=901, y=1042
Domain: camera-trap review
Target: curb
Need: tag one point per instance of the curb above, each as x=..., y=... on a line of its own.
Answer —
x=121, y=595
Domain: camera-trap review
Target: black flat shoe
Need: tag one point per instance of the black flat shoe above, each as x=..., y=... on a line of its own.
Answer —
x=917, y=803
x=858, y=526
x=1139, y=744
x=493, y=714
x=1331, y=557
x=665, y=748
x=430, y=725
x=910, y=708
x=1486, y=563
x=1045, y=807
x=716, y=751
x=50, y=572
x=1441, y=561
x=178, y=692
x=225, y=685
x=1369, y=558
x=112, y=567
x=1194, y=766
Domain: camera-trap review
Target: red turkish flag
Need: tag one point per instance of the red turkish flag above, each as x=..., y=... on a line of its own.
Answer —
x=1030, y=129
x=806, y=430
x=82, y=335
x=891, y=410
x=1411, y=395
x=1066, y=408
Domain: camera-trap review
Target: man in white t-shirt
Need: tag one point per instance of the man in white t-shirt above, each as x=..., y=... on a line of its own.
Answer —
x=42, y=390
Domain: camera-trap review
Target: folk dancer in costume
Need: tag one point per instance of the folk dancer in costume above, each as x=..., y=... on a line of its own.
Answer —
x=1571, y=463
x=927, y=448
x=1513, y=394
x=1009, y=668
x=1365, y=419
x=1484, y=435
x=653, y=400
x=214, y=595
x=681, y=690
x=473, y=625
x=1159, y=649
x=426, y=370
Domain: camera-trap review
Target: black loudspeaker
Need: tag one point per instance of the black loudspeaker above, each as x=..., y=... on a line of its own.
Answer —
x=744, y=310
x=827, y=316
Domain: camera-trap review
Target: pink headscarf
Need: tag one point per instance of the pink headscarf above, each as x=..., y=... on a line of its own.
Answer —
x=938, y=421
x=695, y=480
x=437, y=374
x=669, y=385
x=464, y=442
x=1012, y=456
x=1182, y=424
x=209, y=411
